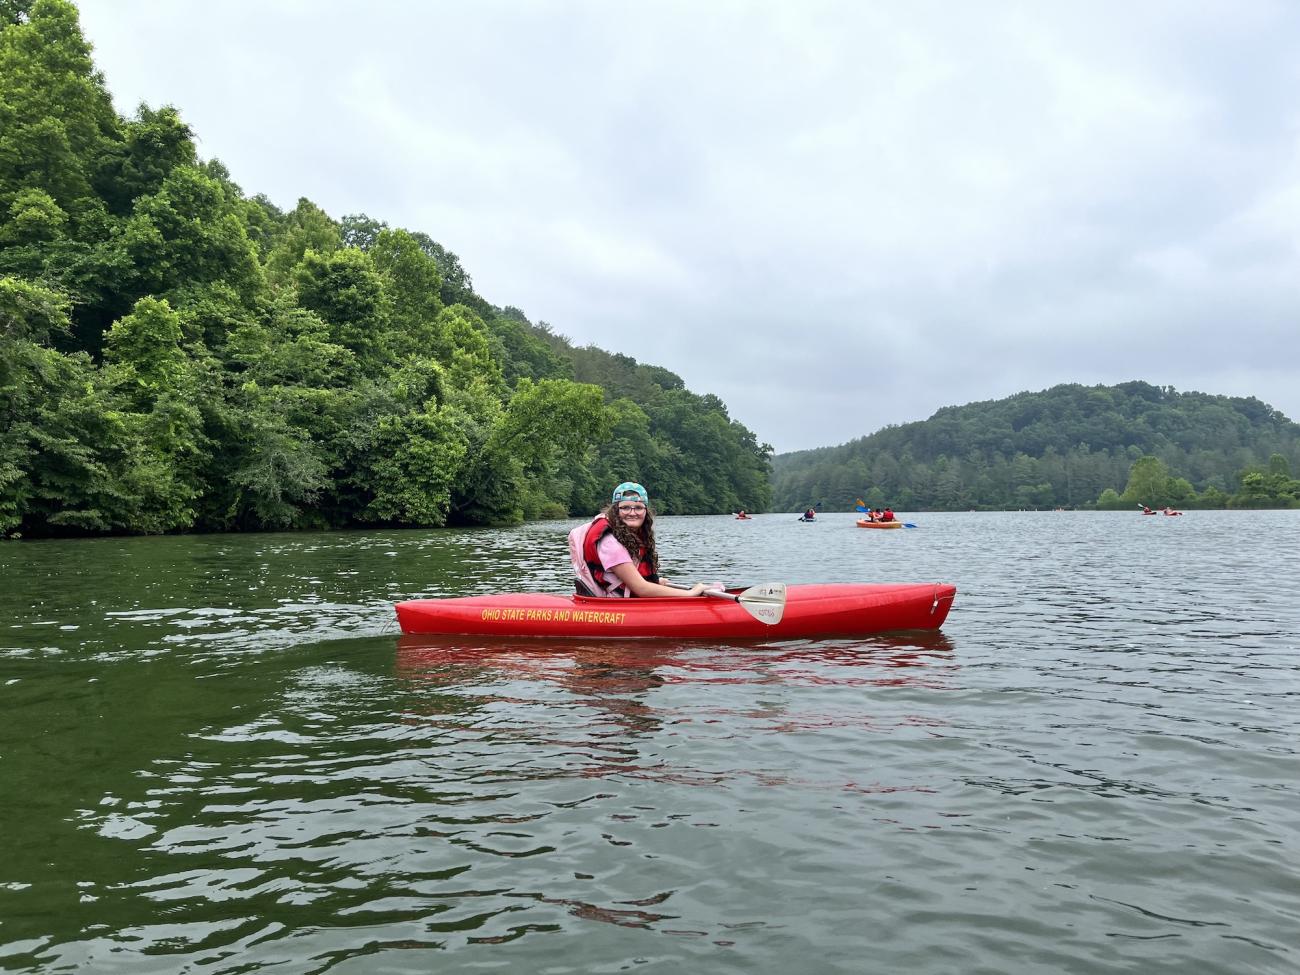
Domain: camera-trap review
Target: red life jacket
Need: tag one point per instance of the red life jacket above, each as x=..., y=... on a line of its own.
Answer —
x=607, y=582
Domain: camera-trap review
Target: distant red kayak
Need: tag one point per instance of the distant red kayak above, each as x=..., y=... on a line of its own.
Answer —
x=820, y=610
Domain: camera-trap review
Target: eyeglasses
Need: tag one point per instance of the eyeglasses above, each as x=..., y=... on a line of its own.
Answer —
x=632, y=509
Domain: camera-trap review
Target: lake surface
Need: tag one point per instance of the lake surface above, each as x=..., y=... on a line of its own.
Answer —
x=218, y=756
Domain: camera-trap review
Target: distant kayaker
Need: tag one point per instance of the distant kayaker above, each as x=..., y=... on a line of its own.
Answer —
x=1147, y=511
x=601, y=550
x=887, y=515
x=810, y=515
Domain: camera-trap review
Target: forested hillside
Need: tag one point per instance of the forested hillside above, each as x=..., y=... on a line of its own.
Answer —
x=177, y=355
x=1064, y=446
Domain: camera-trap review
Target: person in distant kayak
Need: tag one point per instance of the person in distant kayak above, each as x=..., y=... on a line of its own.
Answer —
x=1147, y=511
x=614, y=554
x=887, y=515
x=810, y=515
x=741, y=514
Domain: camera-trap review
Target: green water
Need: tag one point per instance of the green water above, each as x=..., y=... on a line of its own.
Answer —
x=217, y=756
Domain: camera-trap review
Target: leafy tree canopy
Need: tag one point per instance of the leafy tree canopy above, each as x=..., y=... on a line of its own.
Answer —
x=1061, y=447
x=176, y=355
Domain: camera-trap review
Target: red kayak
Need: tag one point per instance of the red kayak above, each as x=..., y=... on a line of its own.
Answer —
x=829, y=609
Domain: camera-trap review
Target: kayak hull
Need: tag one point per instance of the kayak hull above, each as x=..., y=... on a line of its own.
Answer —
x=863, y=523
x=821, y=610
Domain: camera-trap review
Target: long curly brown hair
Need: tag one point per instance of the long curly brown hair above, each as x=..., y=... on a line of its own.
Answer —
x=633, y=540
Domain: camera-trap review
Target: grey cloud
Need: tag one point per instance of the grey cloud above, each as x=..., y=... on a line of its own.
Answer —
x=832, y=215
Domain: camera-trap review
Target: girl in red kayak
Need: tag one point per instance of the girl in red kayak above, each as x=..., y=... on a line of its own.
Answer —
x=602, y=550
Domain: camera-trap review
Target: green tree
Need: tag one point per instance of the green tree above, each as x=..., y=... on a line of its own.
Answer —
x=161, y=427
x=56, y=116
x=411, y=280
x=1212, y=497
x=305, y=228
x=278, y=472
x=1148, y=482
x=413, y=466
x=154, y=144
x=29, y=314
x=187, y=234
x=346, y=291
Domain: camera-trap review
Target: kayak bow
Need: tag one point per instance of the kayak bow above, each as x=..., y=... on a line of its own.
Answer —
x=828, y=609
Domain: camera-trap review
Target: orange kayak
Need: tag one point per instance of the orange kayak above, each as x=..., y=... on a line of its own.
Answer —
x=863, y=523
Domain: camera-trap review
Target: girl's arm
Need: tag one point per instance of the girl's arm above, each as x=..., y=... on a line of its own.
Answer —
x=639, y=585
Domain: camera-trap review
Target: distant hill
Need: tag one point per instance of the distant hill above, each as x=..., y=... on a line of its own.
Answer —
x=1059, y=447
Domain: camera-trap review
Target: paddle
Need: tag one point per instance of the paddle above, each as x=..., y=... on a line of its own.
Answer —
x=766, y=602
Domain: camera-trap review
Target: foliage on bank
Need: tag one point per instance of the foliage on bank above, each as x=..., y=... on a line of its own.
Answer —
x=176, y=355
x=1068, y=446
x=1150, y=484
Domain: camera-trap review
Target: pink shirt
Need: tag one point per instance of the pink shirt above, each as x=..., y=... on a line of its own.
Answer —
x=612, y=552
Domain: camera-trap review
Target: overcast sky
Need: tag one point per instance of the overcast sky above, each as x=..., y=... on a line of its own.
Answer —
x=834, y=216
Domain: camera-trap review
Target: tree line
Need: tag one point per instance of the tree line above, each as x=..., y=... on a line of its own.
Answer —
x=1068, y=446
x=177, y=355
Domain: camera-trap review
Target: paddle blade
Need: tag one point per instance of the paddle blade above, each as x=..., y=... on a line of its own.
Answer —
x=766, y=603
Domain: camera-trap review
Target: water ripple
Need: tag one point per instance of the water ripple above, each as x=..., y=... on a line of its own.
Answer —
x=1093, y=769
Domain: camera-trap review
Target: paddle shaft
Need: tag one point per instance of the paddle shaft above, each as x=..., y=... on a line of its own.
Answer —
x=766, y=603
x=715, y=593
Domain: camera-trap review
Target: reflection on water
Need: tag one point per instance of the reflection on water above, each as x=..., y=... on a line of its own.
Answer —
x=623, y=691
x=615, y=673
x=427, y=655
